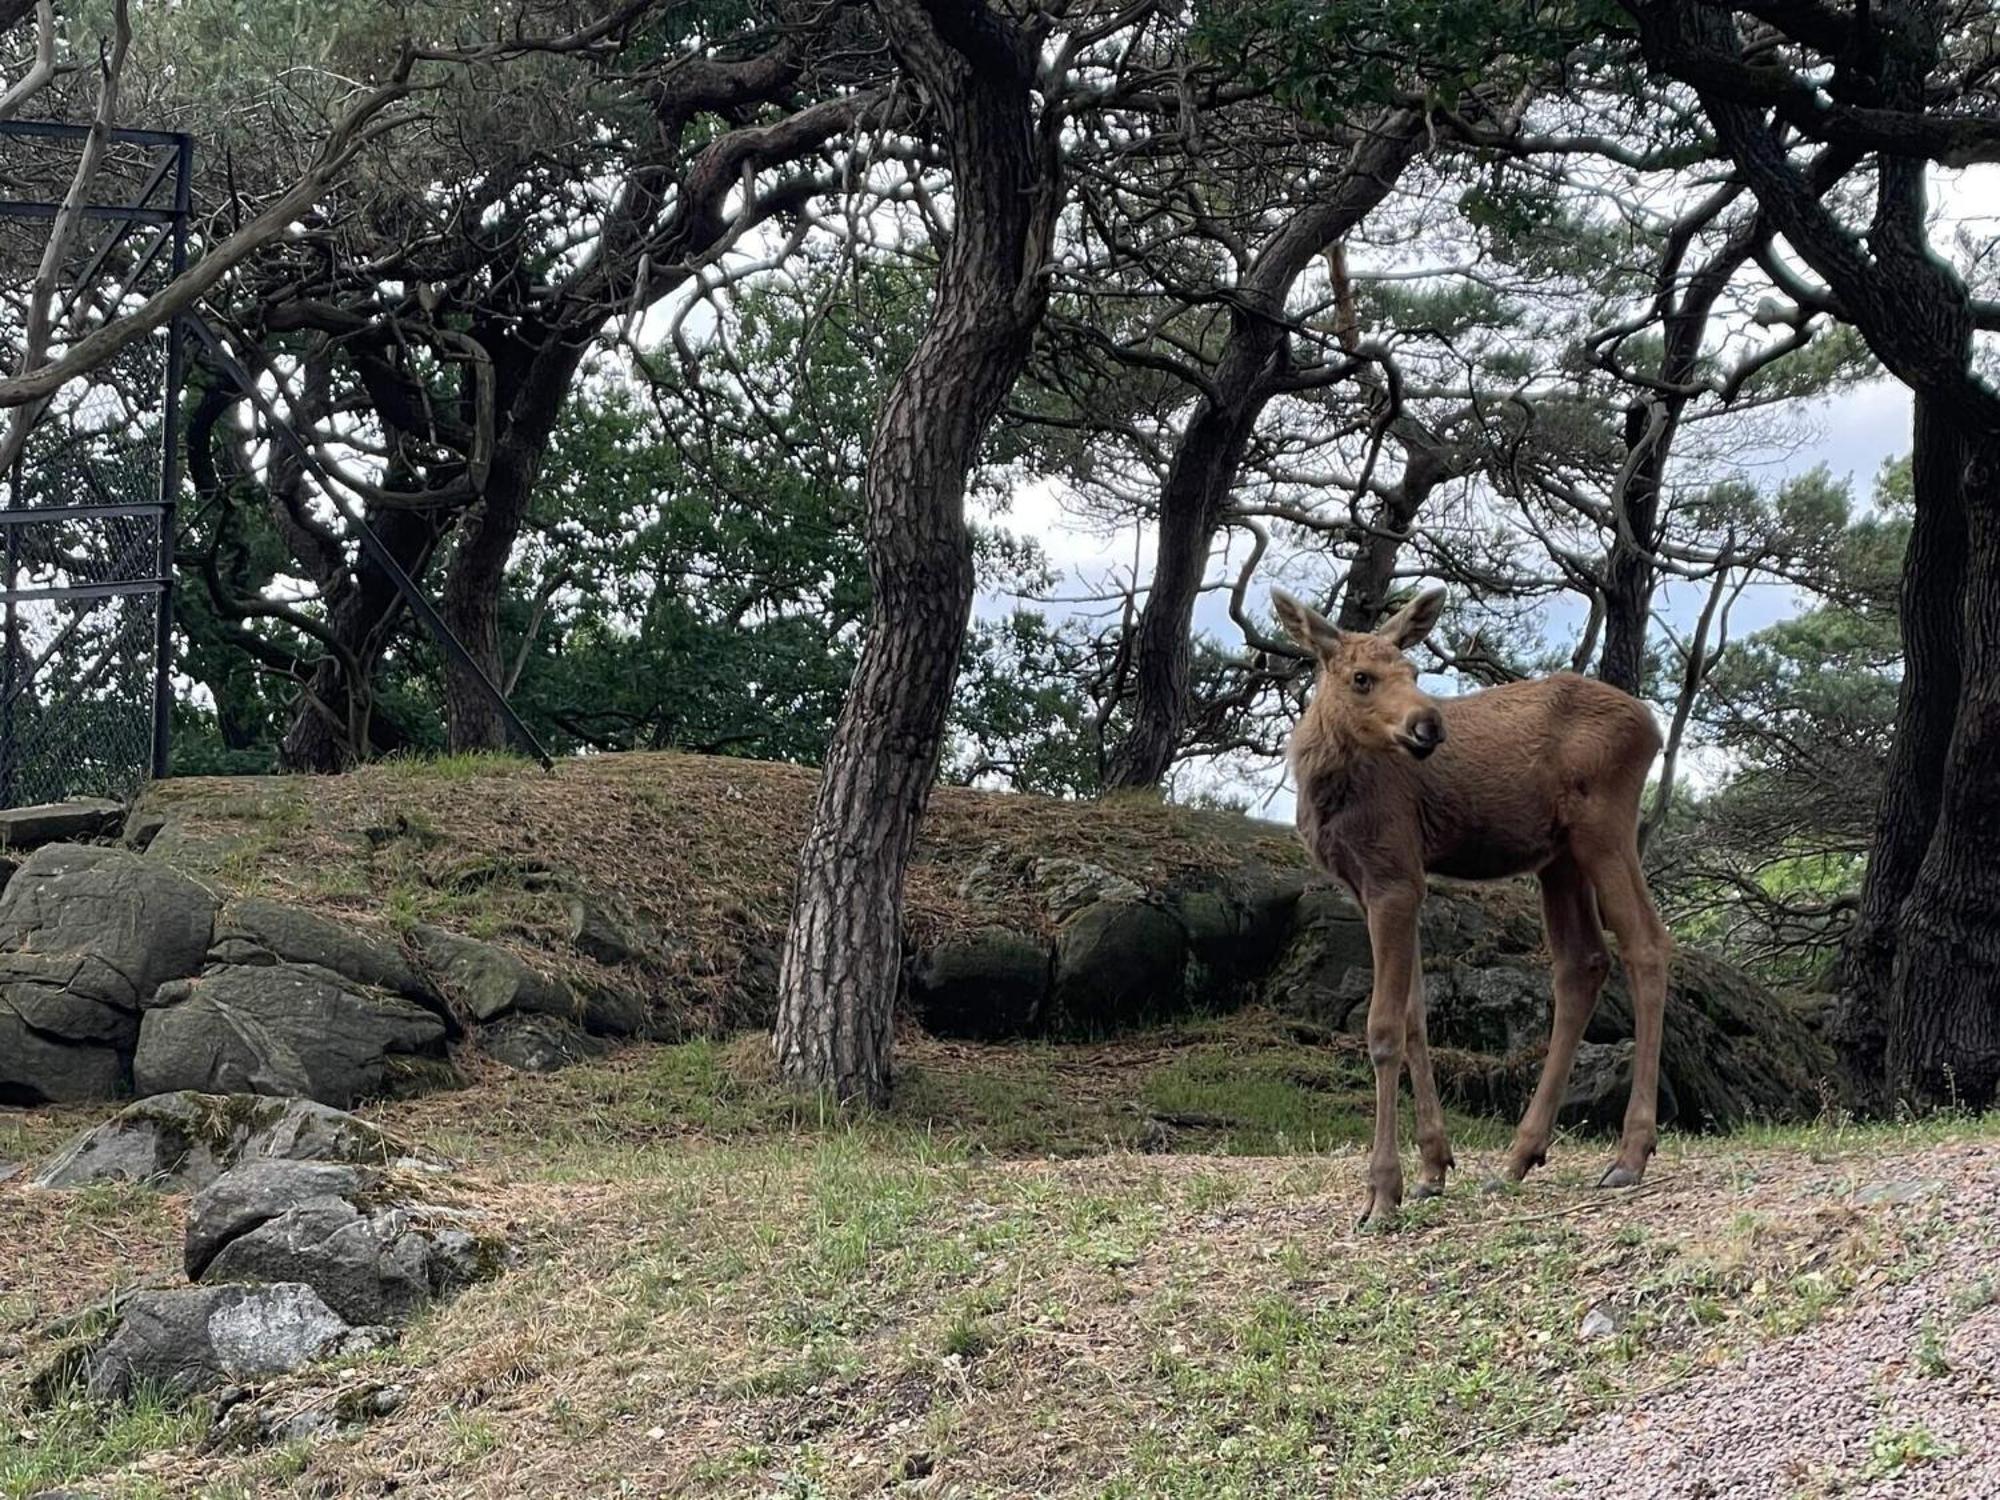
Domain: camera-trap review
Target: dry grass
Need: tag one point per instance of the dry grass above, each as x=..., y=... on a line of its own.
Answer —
x=703, y=846
x=725, y=1294
x=841, y=1321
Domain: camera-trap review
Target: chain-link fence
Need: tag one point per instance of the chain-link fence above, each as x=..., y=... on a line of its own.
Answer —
x=86, y=514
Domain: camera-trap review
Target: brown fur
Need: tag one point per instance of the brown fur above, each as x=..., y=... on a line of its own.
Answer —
x=1538, y=778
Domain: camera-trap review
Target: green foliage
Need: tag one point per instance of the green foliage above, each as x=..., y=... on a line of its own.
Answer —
x=1768, y=862
x=1325, y=60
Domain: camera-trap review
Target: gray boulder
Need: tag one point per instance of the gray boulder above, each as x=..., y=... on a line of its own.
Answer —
x=286, y=1029
x=58, y=822
x=538, y=1044
x=87, y=935
x=1237, y=924
x=1499, y=1008
x=487, y=982
x=265, y=932
x=182, y=1142
x=1733, y=1052
x=194, y=1339
x=990, y=983
x=372, y=1253
x=1066, y=886
x=1600, y=1084
x=256, y=1191
x=1118, y=964
x=37, y=1069
x=1329, y=940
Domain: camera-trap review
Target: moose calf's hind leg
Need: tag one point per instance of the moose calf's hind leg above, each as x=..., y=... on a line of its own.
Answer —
x=1644, y=945
x=1580, y=964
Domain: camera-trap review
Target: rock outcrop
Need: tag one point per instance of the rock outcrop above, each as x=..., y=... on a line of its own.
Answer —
x=286, y=1029
x=88, y=934
x=182, y=1142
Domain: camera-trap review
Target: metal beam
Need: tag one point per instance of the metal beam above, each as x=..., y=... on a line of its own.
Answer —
x=40, y=515
x=63, y=131
x=85, y=590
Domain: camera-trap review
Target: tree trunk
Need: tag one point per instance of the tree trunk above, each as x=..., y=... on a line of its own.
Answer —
x=1943, y=1032
x=1191, y=504
x=1932, y=615
x=1372, y=574
x=1628, y=571
x=1203, y=470
x=838, y=982
x=1650, y=428
x=477, y=576
x=332, y=726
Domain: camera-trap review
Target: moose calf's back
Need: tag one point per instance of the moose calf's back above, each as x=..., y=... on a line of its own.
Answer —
x=1523, y=768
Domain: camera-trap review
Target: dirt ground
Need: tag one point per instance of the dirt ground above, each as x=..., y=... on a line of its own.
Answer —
x=758, y=1305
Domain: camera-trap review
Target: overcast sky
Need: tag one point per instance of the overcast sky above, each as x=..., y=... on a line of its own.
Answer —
x=1852, y=434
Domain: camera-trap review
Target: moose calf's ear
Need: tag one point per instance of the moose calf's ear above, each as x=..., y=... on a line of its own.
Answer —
x=1415, y=620
x=1304, y=624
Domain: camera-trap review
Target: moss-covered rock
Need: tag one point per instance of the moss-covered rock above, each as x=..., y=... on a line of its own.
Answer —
x=181, y=1142
x=989, y=984
x=285, y=1029
x=1118, y=964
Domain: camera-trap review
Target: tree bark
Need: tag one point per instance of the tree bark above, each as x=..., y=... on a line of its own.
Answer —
x=1202, y=472
x=838, y=981
x=477, y=577
x=1943, y=1031
x=1931, y=611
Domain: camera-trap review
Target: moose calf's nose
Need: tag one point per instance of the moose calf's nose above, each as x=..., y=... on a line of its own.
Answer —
x=1427, y=730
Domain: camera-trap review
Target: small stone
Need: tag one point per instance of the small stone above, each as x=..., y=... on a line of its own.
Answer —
x=58, y=822
x=606, y=930
x=1895, y=1193
x=1598, y=1323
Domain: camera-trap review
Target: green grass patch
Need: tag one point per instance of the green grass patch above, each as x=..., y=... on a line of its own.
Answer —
x=78, y=1438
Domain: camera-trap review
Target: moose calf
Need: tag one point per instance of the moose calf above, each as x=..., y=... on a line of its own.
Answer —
x=1542, y=777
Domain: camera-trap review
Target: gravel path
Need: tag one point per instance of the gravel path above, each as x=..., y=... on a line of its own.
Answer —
x=1895, y=1397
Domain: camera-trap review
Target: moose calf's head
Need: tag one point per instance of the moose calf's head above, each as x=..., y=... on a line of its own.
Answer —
x=1367, y=693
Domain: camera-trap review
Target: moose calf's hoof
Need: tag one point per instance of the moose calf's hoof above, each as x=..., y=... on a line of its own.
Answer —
x=1619, y=1176
x=1425, y=1190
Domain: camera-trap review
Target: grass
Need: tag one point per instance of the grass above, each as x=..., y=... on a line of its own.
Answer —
x=728, y=1292
x=702, y=846
x=1895, y=1449
x=1236, y=1086
x=76, y=1440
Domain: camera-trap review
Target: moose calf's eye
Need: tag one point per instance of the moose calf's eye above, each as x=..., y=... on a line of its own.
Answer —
x=1363, y=682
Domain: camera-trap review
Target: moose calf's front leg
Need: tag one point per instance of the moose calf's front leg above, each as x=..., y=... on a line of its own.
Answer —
x=1392, y=933
x=1433, y=1145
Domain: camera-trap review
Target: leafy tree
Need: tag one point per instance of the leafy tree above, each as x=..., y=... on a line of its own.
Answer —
x=1769, y=862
